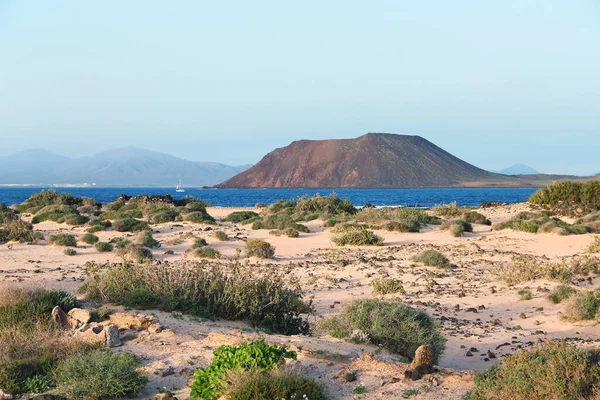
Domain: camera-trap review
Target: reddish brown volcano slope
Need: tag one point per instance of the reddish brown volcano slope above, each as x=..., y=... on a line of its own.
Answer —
x=372, y=160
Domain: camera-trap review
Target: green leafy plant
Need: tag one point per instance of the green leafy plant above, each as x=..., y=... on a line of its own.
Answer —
x=257, y=356
x=387, y=286
x=103, y=247
x=89, y=238
x=358, y=237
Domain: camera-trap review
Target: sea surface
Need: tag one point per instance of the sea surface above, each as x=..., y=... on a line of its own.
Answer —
x=472, y=197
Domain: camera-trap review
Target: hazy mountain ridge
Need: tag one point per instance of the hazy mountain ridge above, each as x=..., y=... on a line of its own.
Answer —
x=518, y=169
x=129, y=166
x=372, y=160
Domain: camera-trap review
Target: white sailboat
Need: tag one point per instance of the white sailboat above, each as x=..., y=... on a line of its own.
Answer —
x=178, y=188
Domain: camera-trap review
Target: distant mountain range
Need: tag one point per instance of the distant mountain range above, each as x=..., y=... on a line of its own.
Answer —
x=518, y=169
x=370, y=161
x=129, y=166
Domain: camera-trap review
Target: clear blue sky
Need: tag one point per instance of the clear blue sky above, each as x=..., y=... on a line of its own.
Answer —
x=493, y=82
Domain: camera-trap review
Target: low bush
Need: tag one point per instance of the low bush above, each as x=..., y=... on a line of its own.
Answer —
x=162, y=216
x=130, y=225
x=277, y=383
x=334, y=327
x=457, y=227
x=433, y=258
x=569, y=197
x=561, y=292
x=594, y=247
x=119, y=242
x=199, y=242
x=541, y=223
x=63, y=239
x=207, y=252
x=199, y=217
x=70, y=252
x=145, y=239
x=254, y=356
x=89, y=238
x=403, y=226
x=474, y=217
x=450, y=210
x=525, y=294
x=280, y=222
x=259, y=248
x=397, y=327
x=103, y=247
x=358, y=237
x=15, y=229
x=220, y=235
x=554, y=370
x=582, y=306
x=398, y=218
x=137, y=253
x=529, y=268
x=387, y=286
x=211, y=291
x=244, y=217
x=98, y=374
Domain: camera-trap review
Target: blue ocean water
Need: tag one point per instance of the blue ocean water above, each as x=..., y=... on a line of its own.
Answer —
x=249, y=197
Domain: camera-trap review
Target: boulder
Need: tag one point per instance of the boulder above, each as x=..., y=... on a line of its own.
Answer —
x=60, y=318
x=136, y=322
x=78, y=317
x=111, y=333
x=423, y=361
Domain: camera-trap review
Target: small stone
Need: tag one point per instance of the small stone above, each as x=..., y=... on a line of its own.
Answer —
x=468, y=354
x=156, y=328
x=490, y=354
x=111, y=333
x=167, y=372
x=522, y=316
x=471, y=309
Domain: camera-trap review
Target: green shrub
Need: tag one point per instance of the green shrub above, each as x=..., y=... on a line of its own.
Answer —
x=214, y=292
x=6, y=213
x=292, y=233
x=97, y=225
x=63, y=239
x=553, y=370
x=207, y=252
x=162, y=216
x=594, y=247
x=130, y=225
x=474, y=217
x=451, y=210
x=89, y=238
x=34, y=305
x=403, y=226
x=199, y=242
x=331, y=205
x=220, y=235
x=407, y=218
x=334, y=327
x=525, y=294
x=103, y=247
x=280, y=222
x=561, y=292
x=98, y=374
x=458, y=230
x=256, y=356
x=278, y=383
x=387, y=286
x=397, y=327
x=259, y=248
x=569, y=196
x=536, y=222
x=433, y=258
x=119, y=242
x=15, y=229
x=199, y=217
x=139, y=253
x=70, y=252
x=582, y=306
x=145, y=239
x=359, y=237
x=241, y=216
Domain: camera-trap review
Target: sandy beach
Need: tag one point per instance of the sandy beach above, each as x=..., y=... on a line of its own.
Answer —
x=483, y=319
